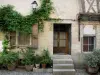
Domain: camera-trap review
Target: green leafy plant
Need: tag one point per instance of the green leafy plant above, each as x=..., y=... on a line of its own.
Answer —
x=5, y=45
x=11, y=20
x=9, y=58
x=97, y=53
x=37, y=59
x=46, y=59
x=29, y=58
x=91, y=60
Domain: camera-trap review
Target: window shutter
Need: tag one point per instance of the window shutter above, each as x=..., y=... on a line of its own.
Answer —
x=35, y=36
x=12, y=38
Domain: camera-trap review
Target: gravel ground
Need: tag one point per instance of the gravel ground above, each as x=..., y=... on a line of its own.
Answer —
x=83, y=72
x=5, y=72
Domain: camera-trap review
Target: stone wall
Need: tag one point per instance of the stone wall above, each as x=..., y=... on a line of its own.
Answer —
x=98, y=37
x=66, y=10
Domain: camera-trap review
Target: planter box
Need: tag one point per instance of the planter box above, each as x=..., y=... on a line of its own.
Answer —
x=47, y=70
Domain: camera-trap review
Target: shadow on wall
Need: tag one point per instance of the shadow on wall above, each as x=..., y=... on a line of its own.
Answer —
x=78, y=59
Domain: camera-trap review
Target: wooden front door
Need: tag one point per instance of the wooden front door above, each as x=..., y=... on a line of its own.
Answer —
x=60, y=43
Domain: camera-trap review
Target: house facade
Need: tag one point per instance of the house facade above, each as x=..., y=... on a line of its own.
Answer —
x=76, y=33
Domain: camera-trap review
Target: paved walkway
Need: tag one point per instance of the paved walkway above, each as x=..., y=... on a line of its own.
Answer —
x=5, y=72
x=83, y=72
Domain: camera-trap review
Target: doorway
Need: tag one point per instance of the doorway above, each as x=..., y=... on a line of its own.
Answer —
x=62, y=39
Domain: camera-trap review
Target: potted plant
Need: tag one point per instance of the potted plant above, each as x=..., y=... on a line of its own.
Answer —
x=46, y=59
x=9, y=60
x=44, y=63
x=28, y=60
x=92, y=63
x=97, y=53
x=50, y=63
x=37, y=61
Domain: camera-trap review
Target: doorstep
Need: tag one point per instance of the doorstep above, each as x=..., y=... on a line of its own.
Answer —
x=47, y=70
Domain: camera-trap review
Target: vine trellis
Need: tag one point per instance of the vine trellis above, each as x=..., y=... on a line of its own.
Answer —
x=11, y=20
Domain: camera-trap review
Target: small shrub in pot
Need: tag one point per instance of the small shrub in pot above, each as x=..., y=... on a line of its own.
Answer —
x=37, y=61
x=92, y=63
x=46, y=59
x=9, y=60
x=97, y=53
x=44, y=63
x=28, y=60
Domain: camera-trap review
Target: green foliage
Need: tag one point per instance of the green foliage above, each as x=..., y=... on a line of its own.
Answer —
x=9, y=59
x=91, y=60
x=11, y=20
x=5, y=45
x=37, y=59
x=29, y=57
x=97, y=53
x=46, y=59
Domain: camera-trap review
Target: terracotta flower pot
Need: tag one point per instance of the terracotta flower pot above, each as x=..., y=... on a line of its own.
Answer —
x=92, y=69
x=43, y=65
x=11, y=66
x=29, y=67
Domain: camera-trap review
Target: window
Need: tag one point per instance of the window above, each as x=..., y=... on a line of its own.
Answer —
x=88, y=43
x=20, y=39
x=24, y=39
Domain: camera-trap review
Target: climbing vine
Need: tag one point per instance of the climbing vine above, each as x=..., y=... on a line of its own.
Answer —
x=11, y=20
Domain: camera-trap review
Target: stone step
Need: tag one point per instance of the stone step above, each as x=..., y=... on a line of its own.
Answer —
x=63, y=71
x=62, y=61
x=61, y=57
x=63, y=66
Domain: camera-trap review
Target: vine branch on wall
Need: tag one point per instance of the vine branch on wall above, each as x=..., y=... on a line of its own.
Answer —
x=11, y=20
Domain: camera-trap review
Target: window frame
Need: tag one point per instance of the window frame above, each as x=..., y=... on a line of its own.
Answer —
x=89, y=44
x=17, y=43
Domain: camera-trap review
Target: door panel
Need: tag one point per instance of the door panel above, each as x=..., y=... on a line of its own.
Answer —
x=60, y=42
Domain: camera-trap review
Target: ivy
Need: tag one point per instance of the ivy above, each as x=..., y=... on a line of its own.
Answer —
x=11, y=20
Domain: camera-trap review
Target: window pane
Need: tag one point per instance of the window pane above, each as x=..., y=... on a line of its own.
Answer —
x=91, y=40
x=12, y=38
x=85, y=40
x=55, y=35
x=23, y=39
x=85, y=48
x=55, y=43
x=91, y=47
x=62, y=35
x=62, y=43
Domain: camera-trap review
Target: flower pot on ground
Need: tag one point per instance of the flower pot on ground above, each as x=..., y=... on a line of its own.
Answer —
x=92, y=63
x=44, y=65
x=11, y=66
x=28, y=60
x=9, y=60
x=92, y=69
x=46, y=59
x=45, y=62
x=29, y=67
